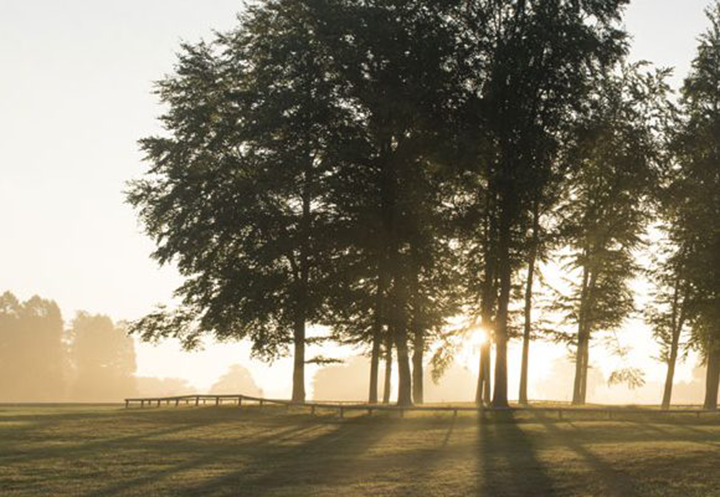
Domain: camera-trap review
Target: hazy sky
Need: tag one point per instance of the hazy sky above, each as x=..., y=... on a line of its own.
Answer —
x=75, y=95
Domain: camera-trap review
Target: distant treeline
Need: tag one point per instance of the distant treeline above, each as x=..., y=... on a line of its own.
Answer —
x=41, y=360
x=89, y=359
x=387, y=168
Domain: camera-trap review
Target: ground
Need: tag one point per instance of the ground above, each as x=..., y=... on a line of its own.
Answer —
x=208, y=451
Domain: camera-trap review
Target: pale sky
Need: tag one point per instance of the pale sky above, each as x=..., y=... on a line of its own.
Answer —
x=75, y=96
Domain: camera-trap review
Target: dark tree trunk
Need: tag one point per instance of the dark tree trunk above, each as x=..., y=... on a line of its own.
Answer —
x=488, y=297
x=374, y=367
x=523, y=396
x=388, y=369
x=417, y=372
x=584, y=325
x=677, y=322
x=403, y=360
x=500, y=393
x=298, y=392
x=586, y=368
x=669, y=379
x=712, y=381
x=482, y=394
x=377, y=336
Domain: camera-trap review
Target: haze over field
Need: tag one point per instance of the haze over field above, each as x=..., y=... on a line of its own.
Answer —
x=76, y=95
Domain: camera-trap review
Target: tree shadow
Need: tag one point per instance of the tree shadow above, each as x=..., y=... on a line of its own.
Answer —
x=507, y=459
x=269, y=437
x=615, y=482
x=330, y=459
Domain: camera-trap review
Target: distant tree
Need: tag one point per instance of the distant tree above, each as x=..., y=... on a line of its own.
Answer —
x=103, y=359
x=237, y=380
x=32, y=352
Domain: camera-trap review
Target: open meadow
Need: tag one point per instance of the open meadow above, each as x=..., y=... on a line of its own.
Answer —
x=108, y=450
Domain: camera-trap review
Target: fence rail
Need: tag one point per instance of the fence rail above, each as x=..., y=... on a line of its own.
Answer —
x=342, y=407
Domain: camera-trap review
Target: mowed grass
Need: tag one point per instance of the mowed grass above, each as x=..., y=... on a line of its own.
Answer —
x=107, y=450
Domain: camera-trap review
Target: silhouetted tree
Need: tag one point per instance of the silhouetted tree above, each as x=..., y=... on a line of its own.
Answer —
x=236, y=189
x=695, y=189
x=669, y=312
x=532, y=64
x=615, y=158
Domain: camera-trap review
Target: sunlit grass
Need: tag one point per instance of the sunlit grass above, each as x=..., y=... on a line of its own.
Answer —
x=106, y=450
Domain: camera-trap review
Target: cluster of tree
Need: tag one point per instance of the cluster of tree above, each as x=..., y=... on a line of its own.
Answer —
x=40, y=360
x=383, y=167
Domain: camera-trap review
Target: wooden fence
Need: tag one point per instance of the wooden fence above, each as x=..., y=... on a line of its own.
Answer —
x=342, y=407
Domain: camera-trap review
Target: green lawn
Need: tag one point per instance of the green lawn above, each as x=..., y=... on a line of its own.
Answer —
x=107, y=450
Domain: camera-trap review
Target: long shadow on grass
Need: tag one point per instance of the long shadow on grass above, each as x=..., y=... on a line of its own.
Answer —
x=615, y=482
x=261, y=448
x=507, y=459
x=330, y=459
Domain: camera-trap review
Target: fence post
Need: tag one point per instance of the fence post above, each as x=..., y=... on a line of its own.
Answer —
x=127, y=403
x=158, y=403
x=142, y=404
x=197, y=401
x=454, y=413
x=177, y=402
x=239, y=401
x=217, y=401
x=312, y=409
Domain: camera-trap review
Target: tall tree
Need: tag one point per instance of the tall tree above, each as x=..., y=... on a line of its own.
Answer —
x=615, y=160
x=533, y=60
x=391, y=56
x=696, y=188
x=235, y=192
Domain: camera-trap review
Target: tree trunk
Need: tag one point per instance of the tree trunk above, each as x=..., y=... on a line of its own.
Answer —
x=298, y=392
x=712, y=381
x=579, y=368
x=403, y=360
x=586, y=368
x=677, y=322
x=500, y=393
x=523, y=396
x=388, y=369
x=582, y=354
x=374, y=368
x=377, y=334
x=417, y=372
x=482, y=394
x=667, y=393
x=488, y=297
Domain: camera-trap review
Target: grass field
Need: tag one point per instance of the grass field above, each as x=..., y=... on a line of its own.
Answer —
x=107, y=450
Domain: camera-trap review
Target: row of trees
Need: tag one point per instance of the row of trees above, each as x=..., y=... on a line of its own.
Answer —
x=40, y=360
x=382, y=168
